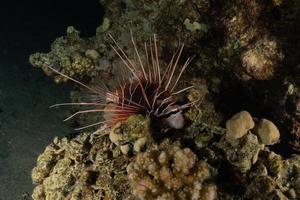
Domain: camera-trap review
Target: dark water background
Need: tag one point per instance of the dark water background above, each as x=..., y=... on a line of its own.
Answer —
x=26, y=123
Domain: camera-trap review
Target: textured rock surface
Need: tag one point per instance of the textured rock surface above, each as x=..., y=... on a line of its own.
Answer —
x=275, y=177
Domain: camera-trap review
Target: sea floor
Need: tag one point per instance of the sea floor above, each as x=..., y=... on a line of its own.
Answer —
x=27, y=124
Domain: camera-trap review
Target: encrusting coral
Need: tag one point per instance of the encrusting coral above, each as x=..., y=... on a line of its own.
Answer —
x=241, y=153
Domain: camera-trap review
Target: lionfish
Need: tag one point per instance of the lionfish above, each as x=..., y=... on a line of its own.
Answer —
x=147, y=90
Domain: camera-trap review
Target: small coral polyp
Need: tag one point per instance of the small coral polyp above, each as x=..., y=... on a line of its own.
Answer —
x=142, y=87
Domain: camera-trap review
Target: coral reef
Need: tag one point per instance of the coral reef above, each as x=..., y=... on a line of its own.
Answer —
x=239, y=136
x=288, y=112
x=79, y=57
x=241, y=153
x=95, y=165
x=246, y=58
x=85, y=167
x=267, y=132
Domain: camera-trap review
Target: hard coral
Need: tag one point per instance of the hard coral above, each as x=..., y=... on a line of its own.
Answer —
x=85, y=167
x=70, y=55
x=267, y=132
x=168, y=171
x=239, y=125
x=240, y=145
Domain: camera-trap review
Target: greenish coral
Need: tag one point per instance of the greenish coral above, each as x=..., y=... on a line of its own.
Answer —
x=162, y=17
x=264, y=187
x=133, y=135
x=241, y=153
x=169, y=171
x=195, y=26
x=203, y=110
x=285, y=172
x=106, y=24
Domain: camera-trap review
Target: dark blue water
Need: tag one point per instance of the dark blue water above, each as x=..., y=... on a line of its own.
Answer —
x=27, y=125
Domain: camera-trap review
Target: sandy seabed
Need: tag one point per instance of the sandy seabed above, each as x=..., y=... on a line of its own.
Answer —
x=27, y=124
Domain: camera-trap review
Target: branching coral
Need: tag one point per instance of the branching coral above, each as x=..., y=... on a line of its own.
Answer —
x=168, y=171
